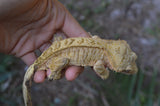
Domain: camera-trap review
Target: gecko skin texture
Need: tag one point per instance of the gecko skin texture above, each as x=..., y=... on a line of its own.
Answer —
x=96, y=52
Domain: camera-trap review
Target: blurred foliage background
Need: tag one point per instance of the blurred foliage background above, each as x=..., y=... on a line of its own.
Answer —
x=137, y=22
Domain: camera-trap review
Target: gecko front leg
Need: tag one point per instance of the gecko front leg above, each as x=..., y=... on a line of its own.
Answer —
x=100, y=69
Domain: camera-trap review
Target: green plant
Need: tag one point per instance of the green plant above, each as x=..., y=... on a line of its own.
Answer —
x=151, y=88
x=72, y=101
x=102, y=7
x=5, y=62
x=155, y=31
x=131, y=87
x=138, y=89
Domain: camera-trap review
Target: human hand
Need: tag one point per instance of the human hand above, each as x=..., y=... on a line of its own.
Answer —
x=28, y=25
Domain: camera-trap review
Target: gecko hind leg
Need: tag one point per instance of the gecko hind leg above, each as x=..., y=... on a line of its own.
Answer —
x=100, y=69
x=94, y=36
x=58, y=38
x=57, y=67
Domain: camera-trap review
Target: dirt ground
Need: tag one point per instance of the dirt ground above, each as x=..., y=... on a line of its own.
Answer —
x=137, y=22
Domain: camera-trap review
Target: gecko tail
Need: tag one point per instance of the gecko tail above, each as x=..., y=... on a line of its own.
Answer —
x=27, y=85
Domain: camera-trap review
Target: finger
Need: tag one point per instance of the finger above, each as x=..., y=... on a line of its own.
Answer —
x=45, y=46
x=72, y=28
x=29, y=58
x=39, y=76
x=72, y=72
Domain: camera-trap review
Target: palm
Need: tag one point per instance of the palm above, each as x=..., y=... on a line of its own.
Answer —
x=32, y=27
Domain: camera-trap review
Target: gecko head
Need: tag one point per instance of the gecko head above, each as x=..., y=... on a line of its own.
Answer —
x=121, y=57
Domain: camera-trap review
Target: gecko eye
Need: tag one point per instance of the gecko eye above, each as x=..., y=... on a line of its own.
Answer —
x=129, y=71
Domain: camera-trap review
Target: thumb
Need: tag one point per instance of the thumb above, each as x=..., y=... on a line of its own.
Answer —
x=72, y=28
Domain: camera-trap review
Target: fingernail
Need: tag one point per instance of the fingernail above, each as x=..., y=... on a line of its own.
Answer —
x=48, y=72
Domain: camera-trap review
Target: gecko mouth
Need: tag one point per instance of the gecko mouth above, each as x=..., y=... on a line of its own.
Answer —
x=128, y=72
